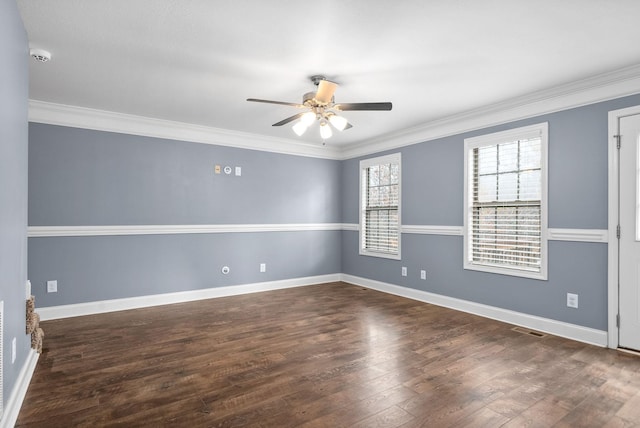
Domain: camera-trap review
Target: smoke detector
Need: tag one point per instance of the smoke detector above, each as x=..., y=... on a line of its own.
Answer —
x=40, y=55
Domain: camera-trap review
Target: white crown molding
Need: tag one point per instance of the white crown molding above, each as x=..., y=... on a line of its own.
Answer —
x=103, y=306
x=19, y=391
x=558, y=328
x=101, y=120
x=603, y=87
x=51, y=231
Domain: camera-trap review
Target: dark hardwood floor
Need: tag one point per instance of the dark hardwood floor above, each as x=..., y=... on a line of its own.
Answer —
x=331, y=355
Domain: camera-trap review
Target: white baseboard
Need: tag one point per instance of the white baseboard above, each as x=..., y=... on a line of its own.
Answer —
x=98, y=307
x=557, y=328
x=14, y=403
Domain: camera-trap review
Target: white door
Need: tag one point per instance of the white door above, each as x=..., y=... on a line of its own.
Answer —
x=629, y=304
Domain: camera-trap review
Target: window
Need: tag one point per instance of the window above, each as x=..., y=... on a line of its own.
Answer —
x=380, y=206
x=505, y=222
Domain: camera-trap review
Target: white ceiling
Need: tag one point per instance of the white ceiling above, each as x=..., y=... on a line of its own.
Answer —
x=197, y=61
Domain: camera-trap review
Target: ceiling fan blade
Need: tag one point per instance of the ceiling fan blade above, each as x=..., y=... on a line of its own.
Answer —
x=255, y=100
x=325, y=92
x=289, y=119
x=362, y=106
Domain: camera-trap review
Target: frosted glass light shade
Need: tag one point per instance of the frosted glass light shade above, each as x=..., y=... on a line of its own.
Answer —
x=308, y=118
x=325, y=131
x=338, y=122
x=299, y=128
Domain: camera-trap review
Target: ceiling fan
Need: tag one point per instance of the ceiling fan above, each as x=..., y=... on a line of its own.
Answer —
x=320, y=106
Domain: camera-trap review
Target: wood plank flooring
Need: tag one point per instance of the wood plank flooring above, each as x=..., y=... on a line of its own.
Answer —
x=330, y=355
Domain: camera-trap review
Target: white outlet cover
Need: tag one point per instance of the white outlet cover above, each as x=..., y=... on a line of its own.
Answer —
x=423, y=274
x=52, y=286
x=572, y=300
x=238, y=171
x=263, y=267
x=404, y=271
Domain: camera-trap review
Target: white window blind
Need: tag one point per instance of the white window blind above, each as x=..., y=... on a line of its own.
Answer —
x=506, y=193
x=380, y=206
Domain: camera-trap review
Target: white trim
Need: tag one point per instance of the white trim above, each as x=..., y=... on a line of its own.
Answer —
x=103, y=306
x=14, y=403
x=432, y=230
x=558, y=328
x=613, y=253
x=578, y=235
x=47, y=231
x=603, y=87
x=101, y=120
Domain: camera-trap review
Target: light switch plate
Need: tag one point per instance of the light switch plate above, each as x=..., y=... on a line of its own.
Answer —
x=52, y=286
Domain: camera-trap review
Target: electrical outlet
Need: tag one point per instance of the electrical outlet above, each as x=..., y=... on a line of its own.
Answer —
x=572, y=300
x=423, y=274
x=52, y=286
x=404, y=271
x=263, y=267
x=238, y=171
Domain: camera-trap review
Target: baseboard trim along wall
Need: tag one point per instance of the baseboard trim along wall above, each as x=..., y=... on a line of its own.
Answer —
x=14, y=403
x=103, y=306
x=558, y=328
x=546, y=325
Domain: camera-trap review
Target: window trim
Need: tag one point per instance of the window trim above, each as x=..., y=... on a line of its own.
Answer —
x=538, y=130
x=366, y=163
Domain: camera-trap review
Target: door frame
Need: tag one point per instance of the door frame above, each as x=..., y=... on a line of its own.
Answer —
x=614, y=204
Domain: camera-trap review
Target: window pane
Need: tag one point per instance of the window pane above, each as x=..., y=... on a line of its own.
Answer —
x=508, y=187
x=508, y=157
x=395, y=173
x=487, y=160
x=394, y=195
x=530, y=154
x=530, y=185
x=385, y=174
x=487, y=186
x=374, y=175
x=374, y=197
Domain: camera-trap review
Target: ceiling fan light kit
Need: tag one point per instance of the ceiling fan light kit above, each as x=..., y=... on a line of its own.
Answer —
x=321, y=107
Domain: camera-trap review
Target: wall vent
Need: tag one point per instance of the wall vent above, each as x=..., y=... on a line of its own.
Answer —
x=529, y=332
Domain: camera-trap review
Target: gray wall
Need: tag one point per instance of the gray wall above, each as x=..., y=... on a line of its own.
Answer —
x=83, y=177
x=432, y=194
x=14, y=91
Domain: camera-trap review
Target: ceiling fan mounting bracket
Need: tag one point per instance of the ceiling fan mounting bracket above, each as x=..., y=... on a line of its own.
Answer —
x=317, y=78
